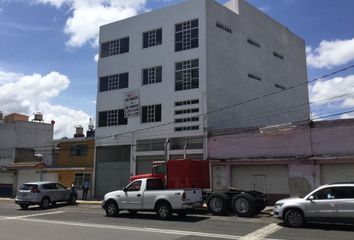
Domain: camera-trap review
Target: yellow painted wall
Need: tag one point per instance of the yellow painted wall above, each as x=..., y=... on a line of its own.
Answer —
x=65, y=160
x=66, y=177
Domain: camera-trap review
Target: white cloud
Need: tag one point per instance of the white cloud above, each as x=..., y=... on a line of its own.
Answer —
x=331, y=53
x=96, y=57
x=27, y=94
x=87, y=15
x=339, y=91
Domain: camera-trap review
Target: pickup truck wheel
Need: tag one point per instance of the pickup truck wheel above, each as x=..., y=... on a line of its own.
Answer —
x=111, y=209
x=244, y=205
x=164, y=210
x=24, y=206
x=45, y=203
x=294, y=218
x=218, y=204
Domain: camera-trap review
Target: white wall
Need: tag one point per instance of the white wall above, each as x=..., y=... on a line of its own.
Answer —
x=139, y=58
x=230, y=58
x=38, y=136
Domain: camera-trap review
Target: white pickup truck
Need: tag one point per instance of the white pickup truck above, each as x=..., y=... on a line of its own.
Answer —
x=149, y=195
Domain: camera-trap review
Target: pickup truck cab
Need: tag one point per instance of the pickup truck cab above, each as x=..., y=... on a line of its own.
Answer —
x=149, y=195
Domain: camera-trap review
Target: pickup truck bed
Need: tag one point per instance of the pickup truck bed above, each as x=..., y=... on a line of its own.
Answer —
x=148, y=195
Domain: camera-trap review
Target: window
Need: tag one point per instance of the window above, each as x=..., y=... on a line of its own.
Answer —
x=278, y=55
x=154, y=184
x=112, y=118
x=279, y=86
x=49, y=186
x=134, y=186
x=226, y=29
x=254, y=77
x=344, y=192
x=151, y=113
x=113, y=82
x=187, y=102
x=150, y=145
x=253, y=43
x=187, y=75
x=78, y=150
x=80, y=178
x=184, y=111
x=115, y=47
x=325, y=194
x=186, y=35
x=152, y=75
x=152, y=38
x=186, y=128
x=59, y=186
x=193, y=143
x=183, y=120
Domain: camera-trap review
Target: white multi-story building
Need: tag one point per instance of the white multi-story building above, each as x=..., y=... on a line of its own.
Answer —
x=173, y=74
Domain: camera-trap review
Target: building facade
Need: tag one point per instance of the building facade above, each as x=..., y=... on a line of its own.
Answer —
x=25, y=148
x=284, y=160
x=74, y=162
x=168, y=77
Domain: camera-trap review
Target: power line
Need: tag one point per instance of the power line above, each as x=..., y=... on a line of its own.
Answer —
x=236, y=131
x=235, y=104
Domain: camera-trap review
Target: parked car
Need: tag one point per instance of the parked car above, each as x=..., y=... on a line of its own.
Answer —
x=332, y=203
x=44, y=194
x=149, y=195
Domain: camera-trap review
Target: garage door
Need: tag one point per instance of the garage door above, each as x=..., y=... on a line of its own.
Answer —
x=268, y=179
x=337, y=173
x=112, y=169
x=24, y=176
x=144, y=163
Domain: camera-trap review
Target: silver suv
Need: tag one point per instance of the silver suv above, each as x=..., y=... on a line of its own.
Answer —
x=332, y=203
x=44, y=194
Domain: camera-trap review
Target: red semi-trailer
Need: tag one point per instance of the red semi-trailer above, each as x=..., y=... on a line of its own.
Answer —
x=183, y=173
x=188, y=173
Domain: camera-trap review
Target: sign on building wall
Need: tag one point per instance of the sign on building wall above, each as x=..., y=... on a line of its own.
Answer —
x=132, y=104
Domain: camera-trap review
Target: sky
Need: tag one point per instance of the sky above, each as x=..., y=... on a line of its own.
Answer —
x=48, y=53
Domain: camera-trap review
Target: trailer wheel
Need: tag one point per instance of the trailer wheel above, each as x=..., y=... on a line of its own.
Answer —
x=244, y=205
x=218, y=204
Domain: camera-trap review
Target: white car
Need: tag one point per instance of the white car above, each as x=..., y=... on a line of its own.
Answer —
x=149, y=195
x=332, y=203
x=44, y=194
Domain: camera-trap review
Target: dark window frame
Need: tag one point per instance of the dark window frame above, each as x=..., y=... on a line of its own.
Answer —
x=152, y=75
x=114, y=47
x=152, y=38
x=187, y=75
x=187, y=35
x=151, y=113
x=115, y=117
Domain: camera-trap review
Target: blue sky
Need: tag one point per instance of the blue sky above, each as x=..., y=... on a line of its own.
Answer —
x=47, y=52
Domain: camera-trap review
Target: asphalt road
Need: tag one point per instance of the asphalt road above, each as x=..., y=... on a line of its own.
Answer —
x=89, y=222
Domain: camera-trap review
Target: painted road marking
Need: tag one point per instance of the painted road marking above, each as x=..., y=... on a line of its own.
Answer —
x=139, y=229
x=262, y=232
x=32, y=215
